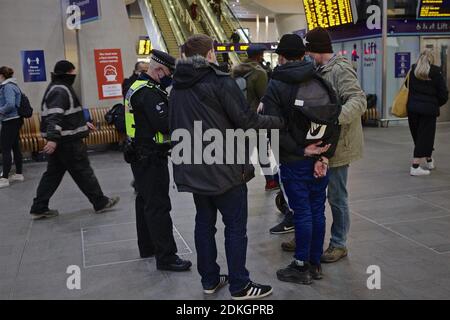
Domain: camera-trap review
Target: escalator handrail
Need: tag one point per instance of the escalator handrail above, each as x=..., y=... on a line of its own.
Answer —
x=173, y=23
x=186, y=17
x=236, y=21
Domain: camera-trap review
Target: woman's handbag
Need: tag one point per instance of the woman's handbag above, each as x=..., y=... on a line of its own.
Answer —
x=400, y=104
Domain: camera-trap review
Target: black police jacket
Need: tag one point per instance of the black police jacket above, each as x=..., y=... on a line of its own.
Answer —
x=150, y=110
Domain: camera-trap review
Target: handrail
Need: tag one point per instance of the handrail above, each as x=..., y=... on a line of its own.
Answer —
x=236, y=22
x=173, y=23
x=185, y=16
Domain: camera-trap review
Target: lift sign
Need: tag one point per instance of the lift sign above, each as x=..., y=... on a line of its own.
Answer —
x=328, y=13
x=434, y=9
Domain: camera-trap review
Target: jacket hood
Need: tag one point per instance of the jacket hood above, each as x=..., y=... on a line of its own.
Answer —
x=337, y=59
x=246, y=67
x=294, y=72
x=189, y=71
x=10, y=80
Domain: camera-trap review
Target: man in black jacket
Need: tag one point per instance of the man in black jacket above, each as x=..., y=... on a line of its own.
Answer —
x=204, y=99
x=310, y=107
x=64, y=127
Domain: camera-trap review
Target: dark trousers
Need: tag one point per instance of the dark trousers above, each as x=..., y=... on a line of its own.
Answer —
x=423, y=131
x=153, y=221
x=10, y=142
x=233, y=207
x=306, y=196
x=69, y=156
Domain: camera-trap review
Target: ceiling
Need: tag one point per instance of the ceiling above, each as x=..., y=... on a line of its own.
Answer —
x=248, y=9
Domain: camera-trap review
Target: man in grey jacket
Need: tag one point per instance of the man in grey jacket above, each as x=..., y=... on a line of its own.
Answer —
x=340, y=73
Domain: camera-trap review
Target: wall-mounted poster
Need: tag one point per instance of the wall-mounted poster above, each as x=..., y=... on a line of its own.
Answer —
x=108, y=65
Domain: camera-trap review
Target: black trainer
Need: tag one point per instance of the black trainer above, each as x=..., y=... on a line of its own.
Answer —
x=111, y=203
x=223, y=281
x=47, y=214
x=284, y=227
x=296, y=274
x=253, y=291
x=316, y=271
x=178, y=265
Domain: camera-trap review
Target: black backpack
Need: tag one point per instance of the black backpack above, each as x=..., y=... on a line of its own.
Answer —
x=116, y=117
x=24, y=109
x=317, y=106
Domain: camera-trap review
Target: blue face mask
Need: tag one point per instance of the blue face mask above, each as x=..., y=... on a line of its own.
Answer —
x=166, y=81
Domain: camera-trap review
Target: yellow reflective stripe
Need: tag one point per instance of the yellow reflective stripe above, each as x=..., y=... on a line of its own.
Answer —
x=130, y=125
x=161, y=138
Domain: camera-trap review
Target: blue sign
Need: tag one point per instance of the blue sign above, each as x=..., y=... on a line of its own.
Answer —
x=90, y=9
x=402, y=64
x=33, y=65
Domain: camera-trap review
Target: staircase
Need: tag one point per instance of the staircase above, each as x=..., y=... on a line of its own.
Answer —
x=164, y=25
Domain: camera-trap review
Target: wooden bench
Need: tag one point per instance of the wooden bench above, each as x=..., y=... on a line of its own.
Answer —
x=32, y=141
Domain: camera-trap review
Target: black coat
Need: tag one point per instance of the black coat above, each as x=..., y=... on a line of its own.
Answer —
x=427, y=96
x=62, y=117
x=203, y=93
x=279, y=101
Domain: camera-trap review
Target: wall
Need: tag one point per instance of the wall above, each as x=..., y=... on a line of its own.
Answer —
x=26, y=29
x=272, y=31
x=112, y=31
x=287, y=23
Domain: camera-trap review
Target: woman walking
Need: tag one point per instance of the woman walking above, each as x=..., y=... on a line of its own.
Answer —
x=427, y=93
x=10, y=96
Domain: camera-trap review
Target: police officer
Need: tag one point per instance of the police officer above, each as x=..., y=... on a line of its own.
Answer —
x=148, y=127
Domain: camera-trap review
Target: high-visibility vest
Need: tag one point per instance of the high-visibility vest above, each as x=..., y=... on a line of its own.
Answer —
x=159, y=138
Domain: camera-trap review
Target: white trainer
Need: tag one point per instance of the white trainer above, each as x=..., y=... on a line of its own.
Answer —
x=16, y=177
x=419, y=172
x=4, y=183
x=430, y=165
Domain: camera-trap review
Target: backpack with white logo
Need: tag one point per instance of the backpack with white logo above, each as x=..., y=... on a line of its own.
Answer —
x=242, y=83
x=316, y=101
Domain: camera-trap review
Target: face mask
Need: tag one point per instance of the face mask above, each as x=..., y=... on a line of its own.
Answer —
x=166, y=81
x=68, y=79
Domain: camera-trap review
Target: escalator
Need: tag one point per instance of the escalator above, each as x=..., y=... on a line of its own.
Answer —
x=167, y=29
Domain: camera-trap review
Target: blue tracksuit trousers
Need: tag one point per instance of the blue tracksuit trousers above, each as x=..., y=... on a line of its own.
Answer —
x=306, y=197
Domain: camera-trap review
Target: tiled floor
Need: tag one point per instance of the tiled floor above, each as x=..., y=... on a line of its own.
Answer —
x=399, y=223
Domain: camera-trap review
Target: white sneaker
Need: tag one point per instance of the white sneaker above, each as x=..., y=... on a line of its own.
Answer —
x=16, y=177
x=430, y=165
x=419, y=172
x=4, y=183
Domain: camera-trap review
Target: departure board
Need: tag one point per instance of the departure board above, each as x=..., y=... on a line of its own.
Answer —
x=434, y=9
x=327, y=13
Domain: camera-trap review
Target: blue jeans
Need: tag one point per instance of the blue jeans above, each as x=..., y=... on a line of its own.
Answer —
x=306, y=196
x=338, y=200
x=233, y=207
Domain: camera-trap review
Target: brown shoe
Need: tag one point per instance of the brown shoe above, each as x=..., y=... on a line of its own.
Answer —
x=288, y=246
x=333, y=254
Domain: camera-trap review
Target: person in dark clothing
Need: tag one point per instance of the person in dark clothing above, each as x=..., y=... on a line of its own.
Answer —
x=10, y=97
x=146, y=102
x=193, y=8
x=203, y=95
x=64, y=127
x=139, y=67
x=235, y=37
x=427, y=93
x=310, y=107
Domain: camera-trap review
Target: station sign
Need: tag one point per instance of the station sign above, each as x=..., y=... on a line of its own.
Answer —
x=433, y=9
x=144, y=47
x=328, y=13
x=90, y=9
x=402, y=64
x=33, y=66
x=109, y=69
x=242, y=47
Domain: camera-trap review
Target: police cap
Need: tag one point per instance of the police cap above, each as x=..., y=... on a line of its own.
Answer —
x=163, y=58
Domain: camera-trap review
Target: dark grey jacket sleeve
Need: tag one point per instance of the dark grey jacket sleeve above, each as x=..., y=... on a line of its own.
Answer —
x=237, y=109
x=57, y=103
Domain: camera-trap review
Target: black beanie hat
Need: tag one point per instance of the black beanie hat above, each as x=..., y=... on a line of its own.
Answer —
x=63, y=67
x=318, y=40
x=291, y=46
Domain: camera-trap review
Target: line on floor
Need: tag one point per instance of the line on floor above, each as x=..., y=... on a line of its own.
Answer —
x=11, y=293
x=397, y=233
